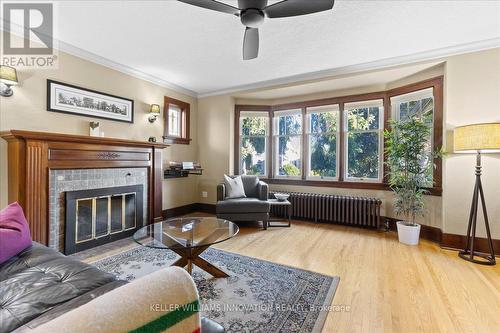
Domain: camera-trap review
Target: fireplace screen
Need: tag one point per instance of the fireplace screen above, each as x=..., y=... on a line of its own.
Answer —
x=97, y=216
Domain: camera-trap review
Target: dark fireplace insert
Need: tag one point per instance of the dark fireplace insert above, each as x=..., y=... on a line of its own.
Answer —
x=98, y=216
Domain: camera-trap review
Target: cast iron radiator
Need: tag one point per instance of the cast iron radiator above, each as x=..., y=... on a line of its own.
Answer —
x=357, y=211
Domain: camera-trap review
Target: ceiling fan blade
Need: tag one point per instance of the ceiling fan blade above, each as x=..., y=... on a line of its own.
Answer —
x=251, y=43
x=213, y=5
x=259, y=4
x=297, y=7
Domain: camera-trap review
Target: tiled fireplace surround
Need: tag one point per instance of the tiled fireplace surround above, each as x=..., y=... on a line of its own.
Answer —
x=61, y=181
x=43, y=166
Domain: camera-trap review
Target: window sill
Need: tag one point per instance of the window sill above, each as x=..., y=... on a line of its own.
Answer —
x=176, y=140
x=436, y=191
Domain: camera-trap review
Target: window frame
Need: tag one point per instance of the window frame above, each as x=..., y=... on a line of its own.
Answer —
x=380, y=131
x=266, y=138
x=436, y=83
x=184, y=120
x=307, y=134
x=276, y=137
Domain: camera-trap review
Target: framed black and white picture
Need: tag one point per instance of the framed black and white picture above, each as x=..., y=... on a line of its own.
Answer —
x=66, y=98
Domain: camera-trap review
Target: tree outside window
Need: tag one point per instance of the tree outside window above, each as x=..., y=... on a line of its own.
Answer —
x=363, y=130
x=253, y=142
x=322, y=137
x=288, y=140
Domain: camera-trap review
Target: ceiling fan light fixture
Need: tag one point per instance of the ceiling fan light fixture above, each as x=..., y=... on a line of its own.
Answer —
x=252, y=17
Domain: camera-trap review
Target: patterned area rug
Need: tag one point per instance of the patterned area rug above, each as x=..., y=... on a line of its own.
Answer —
x=259, y=296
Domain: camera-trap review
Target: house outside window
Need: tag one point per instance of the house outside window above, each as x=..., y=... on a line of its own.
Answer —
x=254, y=131
x=288, y=143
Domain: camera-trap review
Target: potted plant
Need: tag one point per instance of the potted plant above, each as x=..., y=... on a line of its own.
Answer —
x=410, y=160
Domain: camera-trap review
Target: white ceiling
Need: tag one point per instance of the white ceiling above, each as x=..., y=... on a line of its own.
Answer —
x=370, y=79
x=200, y=50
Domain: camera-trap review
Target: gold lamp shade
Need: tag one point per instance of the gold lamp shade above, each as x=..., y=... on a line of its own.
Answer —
x=477, y=137
x=8, y=75
x=154, y=109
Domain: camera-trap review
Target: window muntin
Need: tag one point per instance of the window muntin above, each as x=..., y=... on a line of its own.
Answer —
x=322, y=135
x=288, y=143
x=174, y=120
x=417, y=104
x=363, y=130
x=254, y=129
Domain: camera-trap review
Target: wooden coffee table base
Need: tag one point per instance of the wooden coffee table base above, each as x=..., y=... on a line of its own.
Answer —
x=191, y=256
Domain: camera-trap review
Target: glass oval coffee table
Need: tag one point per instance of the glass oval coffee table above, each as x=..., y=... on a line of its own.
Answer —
x=188, y=237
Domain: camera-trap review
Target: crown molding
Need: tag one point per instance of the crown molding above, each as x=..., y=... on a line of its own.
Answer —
x=92, y=57
x=97, y=59
x=421, y=57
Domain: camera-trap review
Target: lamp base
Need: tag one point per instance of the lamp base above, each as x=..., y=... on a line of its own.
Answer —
x=469, y=253
x=486, y=259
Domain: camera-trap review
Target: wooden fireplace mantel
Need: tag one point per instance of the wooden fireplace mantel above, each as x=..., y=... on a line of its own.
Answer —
x=31, y=156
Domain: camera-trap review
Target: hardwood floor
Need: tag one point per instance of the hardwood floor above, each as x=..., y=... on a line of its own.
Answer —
x=387, y=286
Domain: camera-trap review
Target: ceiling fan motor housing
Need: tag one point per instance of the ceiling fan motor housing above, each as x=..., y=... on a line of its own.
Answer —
x=252, y=17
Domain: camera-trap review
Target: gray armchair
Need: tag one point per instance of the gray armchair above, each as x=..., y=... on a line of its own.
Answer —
x=254, y=207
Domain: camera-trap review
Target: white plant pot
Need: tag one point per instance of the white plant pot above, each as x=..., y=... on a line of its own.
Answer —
x=408, y=234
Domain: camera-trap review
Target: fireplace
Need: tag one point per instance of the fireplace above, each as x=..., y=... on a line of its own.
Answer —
x=98, y=216
x=42, y=167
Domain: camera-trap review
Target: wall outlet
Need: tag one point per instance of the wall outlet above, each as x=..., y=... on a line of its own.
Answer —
x=204, y=194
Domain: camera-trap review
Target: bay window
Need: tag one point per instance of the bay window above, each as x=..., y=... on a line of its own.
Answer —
x=338, y=141
x=322, y=142
x=363, y=128
x=254, y=129
x=288, y=143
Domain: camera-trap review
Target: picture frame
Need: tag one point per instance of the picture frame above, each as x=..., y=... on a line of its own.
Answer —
x=71, y=99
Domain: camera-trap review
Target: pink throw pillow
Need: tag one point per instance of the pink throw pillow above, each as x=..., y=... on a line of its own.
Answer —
x=14, y=232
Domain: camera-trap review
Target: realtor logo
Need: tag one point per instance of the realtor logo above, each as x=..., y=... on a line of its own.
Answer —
x=28, y=30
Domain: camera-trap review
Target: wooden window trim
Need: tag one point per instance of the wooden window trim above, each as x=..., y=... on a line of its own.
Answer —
x=436, y=83
x=185, y=121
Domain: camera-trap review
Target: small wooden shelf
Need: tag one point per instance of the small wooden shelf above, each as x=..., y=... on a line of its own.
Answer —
x=180, y=173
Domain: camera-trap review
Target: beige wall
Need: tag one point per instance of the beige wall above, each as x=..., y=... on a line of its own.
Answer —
x=216, y=136
x=472, y=93
x=26, y=109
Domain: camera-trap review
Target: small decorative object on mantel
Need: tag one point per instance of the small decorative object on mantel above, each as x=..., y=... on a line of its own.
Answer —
x=66, y=98
x=152, y=139
x=478, y=139
x=182, y=169
x=94, y=128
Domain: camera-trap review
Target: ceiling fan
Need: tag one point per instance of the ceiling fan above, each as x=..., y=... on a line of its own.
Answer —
x=253, y=12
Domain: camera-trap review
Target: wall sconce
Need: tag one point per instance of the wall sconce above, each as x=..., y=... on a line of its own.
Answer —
x=154, y=112
x=8, y=78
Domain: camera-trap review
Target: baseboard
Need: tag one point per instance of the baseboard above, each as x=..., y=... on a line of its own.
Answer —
x=178, y=211
x=205, y=208
x=450, y=241
x=187, y=209
x=458, y=242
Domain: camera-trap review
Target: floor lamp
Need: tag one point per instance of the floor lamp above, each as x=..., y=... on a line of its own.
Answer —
x=479, y=139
